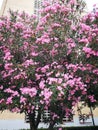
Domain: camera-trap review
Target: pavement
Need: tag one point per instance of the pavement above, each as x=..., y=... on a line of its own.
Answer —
x=17, y=124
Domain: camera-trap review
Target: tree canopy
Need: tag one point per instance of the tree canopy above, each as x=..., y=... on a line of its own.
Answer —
x=50, y=64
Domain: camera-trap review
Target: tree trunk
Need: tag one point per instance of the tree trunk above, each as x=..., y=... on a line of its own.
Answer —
x=33, y=120
x=92, y=116
x=32, y=127
x=51, y=126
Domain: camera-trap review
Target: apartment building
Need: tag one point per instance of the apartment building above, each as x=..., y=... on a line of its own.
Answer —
x=20, y=5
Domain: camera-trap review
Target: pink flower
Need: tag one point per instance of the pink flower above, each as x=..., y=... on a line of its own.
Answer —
x=25, y=45
x=43, y=39
x=85, y=40
x=95, y=71
x=51, y=80
x=46, y=93
x=59, y=88
x=8, y=56
x=59, y=81
x=53, y=52
x=72, y=92
x=32, y=107
x=55, y=25
x=72, y=2
x=15, y=93
x=42, y=102
x=45, y=68
x=18, y=25
x=23, y=100
x=2, y=100
x=29, y=91
x=1, y=87
x=8, y=66
x=91, y=97
x=9, y=101
x=85, y=27
x=34, y=54
x=42, y=84
x=16, y=110
x=21, y=75
x=28, y=63
x=38, y=76
x=87, y=50
x=8, y=90
x=60, y=129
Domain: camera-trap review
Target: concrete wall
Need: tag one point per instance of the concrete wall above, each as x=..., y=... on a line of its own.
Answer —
x=20, y=5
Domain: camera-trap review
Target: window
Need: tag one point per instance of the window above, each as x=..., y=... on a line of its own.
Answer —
x=37, y=7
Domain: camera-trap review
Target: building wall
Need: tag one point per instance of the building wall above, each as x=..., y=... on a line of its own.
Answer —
x=20, y=5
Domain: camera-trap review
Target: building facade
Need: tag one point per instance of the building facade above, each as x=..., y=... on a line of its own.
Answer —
x=20, y=5
x=29, y=6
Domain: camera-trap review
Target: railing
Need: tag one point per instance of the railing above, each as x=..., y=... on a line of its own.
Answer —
x=46, y=116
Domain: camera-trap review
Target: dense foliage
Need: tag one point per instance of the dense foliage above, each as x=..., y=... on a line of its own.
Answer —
x=48, y=65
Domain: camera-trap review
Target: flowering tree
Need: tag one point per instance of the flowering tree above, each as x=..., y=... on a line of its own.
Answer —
x=36, y=63
x=90, y=51
x=87, y=60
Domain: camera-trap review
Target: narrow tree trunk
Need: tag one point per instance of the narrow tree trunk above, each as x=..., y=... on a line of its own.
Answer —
x=32, y=121
x=92, y=116
x=51, y=126
x=32, y=127
x=38, y=119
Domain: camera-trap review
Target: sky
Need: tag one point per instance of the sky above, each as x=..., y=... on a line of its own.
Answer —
x=90, y=4
x=0, y=3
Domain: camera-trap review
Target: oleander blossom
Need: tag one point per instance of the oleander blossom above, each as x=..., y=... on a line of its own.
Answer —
x=49, y=63
x=29, y=91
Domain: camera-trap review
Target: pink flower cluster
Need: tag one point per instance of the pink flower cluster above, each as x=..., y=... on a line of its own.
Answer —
x=50, y=64
x=29, y=91
x=89, y=52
